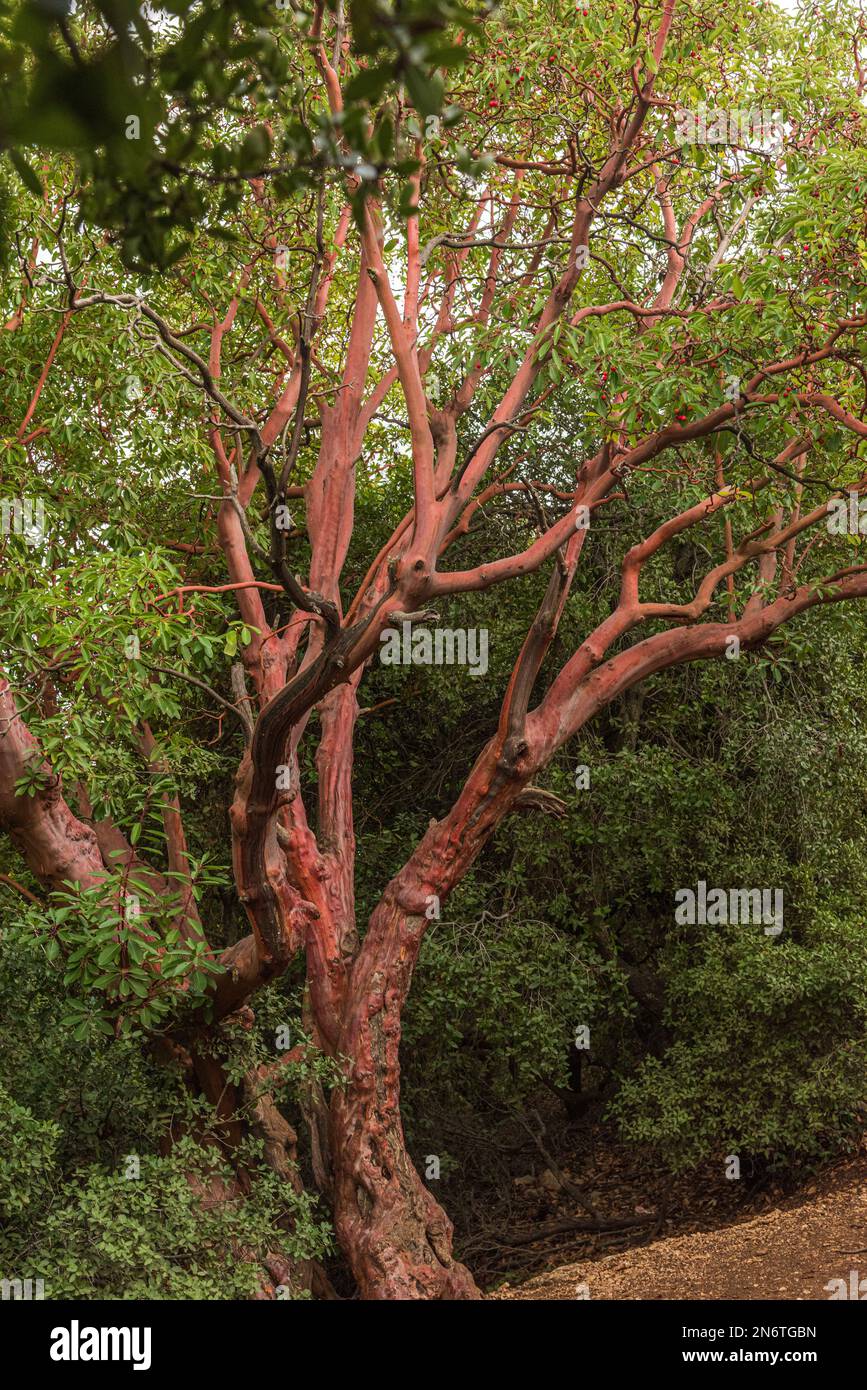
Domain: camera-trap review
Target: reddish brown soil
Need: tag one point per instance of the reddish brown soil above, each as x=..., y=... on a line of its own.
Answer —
x=790, y=1251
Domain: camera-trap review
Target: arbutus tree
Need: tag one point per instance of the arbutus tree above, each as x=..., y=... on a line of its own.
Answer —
x=695, y=302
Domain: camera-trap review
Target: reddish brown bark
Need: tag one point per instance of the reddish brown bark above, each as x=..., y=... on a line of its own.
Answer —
x=58, y=847
x=397, y=1237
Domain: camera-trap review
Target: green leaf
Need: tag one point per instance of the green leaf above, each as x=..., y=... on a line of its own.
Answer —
x=28, y=175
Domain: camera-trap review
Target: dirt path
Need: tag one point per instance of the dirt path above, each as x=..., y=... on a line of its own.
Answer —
x=790, y=1252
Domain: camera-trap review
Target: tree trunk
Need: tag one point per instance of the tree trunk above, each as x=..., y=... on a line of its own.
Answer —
x=397, y=1238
